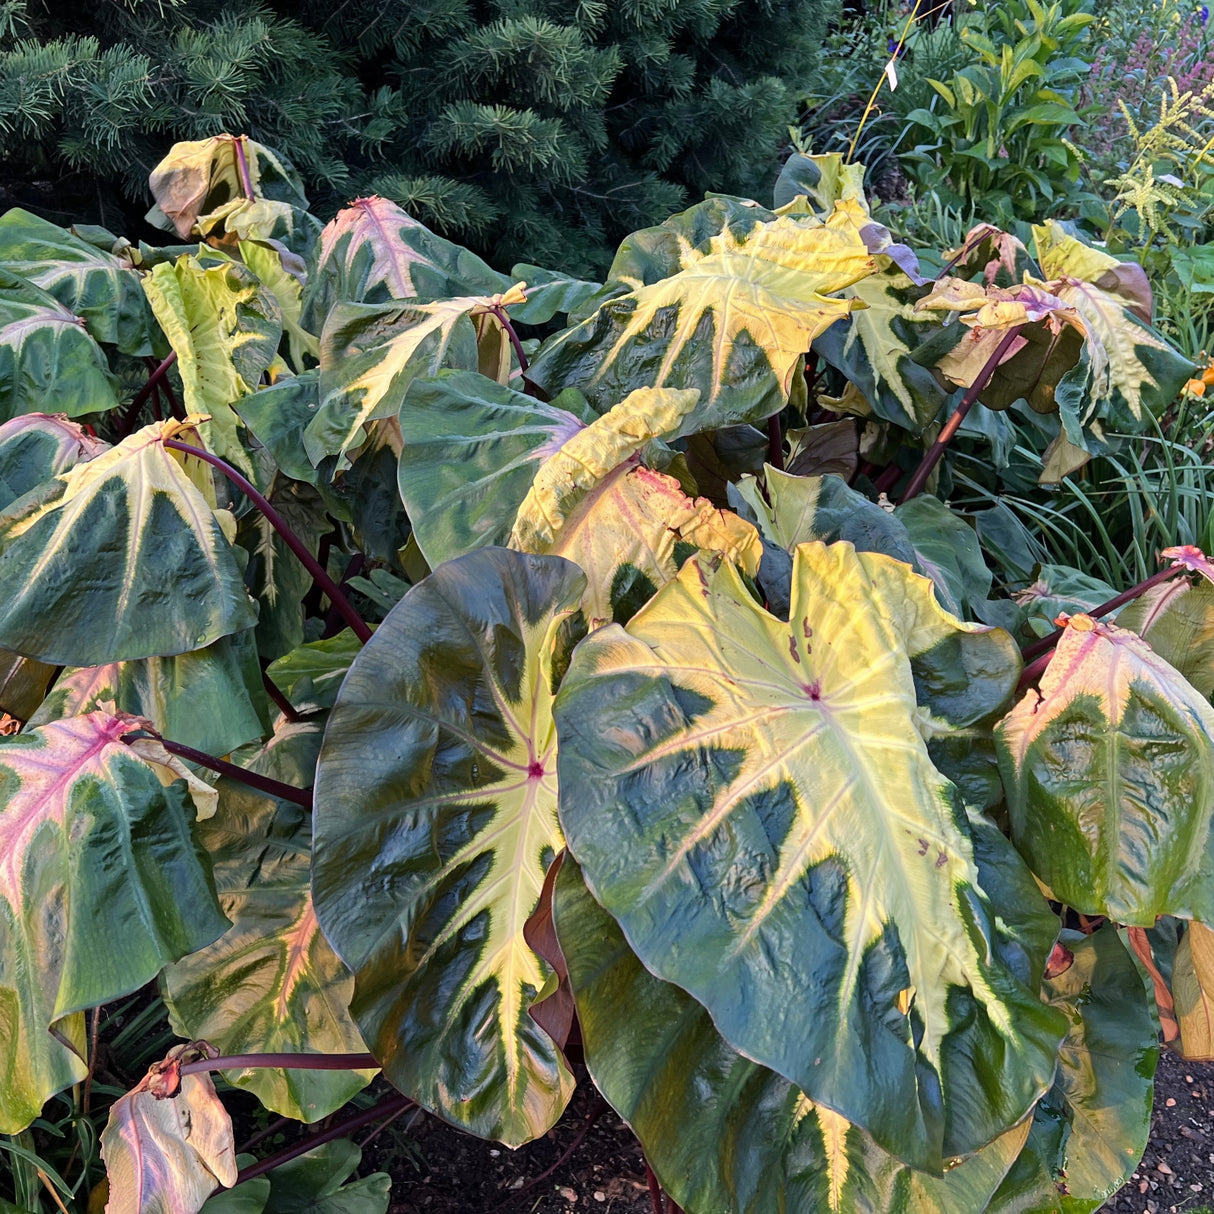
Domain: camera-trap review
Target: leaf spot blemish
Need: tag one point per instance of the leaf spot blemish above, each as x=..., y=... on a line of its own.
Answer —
x=923, y=847
x=942, y=859
x=792, y=649
x=806, y=629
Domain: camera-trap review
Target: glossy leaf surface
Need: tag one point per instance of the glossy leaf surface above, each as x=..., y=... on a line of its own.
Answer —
x=1176, y=619
x=47, y=356
x=130, y=538
x=733, y=322
x=211, y=699
x=1090, y=1130
x=721, y=1132
x=38, y=446
x=1109, y=771
x=435, y=824
x=271, y=983
x=94, y=848
x=103, y=290
x=765, y=787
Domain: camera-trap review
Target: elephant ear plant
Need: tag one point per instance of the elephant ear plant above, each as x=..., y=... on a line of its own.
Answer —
x=425, y=691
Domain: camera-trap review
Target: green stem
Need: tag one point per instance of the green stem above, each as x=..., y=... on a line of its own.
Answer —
x=297, y=546
x=933, y=454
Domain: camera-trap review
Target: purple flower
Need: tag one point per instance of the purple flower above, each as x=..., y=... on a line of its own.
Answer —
x=1204, y=13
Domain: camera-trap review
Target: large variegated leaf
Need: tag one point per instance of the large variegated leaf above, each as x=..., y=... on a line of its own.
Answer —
x=632, y=532
x=1193, y=991
x=1109, y=770
x=371, y=353
x=47, y=357
x=284, y=274
x=1089, y=1132
x=374, y=252
x=739, y=789
x=211, y=699
x=168, y=1143
x=800, y=509
x=94, y=849
x=36, y=446
x=470, y=451
x=120, y=558
x=225, y=328
x=435, y=823
x=733, y=322
x=227, y=183
x=98, y=287
x=1176, y=618
x=587, y=456
x=722, y=1133
x=872, y=348
x=272, y=982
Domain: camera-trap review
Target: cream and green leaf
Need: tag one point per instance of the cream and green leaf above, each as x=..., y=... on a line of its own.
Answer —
x=100, y=288
x=370, y=353
x=1088, y=1133
x=272, y=983
x=225, y=328
x=177, y=586
x=1176, y=618
x=435, y=822
x=47, y=356
x=767, y=786
x=1109, y=771
x=721, y=1132
x=734, y=322
x=211, y=699
x=37, y=446
x=374, y=252
x=94, y=848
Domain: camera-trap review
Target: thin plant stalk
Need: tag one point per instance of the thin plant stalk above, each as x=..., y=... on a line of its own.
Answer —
x=242, y=161
x=271, y=787
x=934, y=453
x=775, y=443
x=388, y=1107
x=872, y=100
x=295, y=1062
x=275, y=693
x=504, y=319
x=128, y=419
x=297, y=546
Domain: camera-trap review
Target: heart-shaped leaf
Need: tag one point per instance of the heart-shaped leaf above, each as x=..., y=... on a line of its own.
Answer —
x=435, y=824
x=733, y=322
x=1109, y=771
x=120, y=558
x=721, y=1132
x=765, y=786
x=94, y=848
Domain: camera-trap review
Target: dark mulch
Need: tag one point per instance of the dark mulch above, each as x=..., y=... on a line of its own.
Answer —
x=1177, y=1170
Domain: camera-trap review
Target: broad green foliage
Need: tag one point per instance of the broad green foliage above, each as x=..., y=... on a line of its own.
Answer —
x=1109, y=770
x=46, y=354
x=782, y=768
x=272, y=982
x=176, y=587
x=722, y=1132
x=436, y=814
x=1089, y=1132
x=95, y=849
x=733, y=322
x=541, y=657
x=100, y=288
